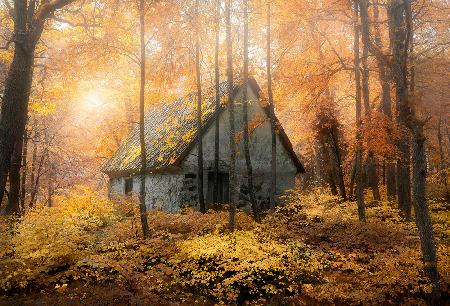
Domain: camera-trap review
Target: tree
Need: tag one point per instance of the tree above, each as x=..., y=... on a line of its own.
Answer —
x=359, y=182
x=248, y=160
x=396, y=11
x=384, y=77
x=416, y=126
x=29, y=21
x=217, y=104
x=273, y=156
x=371, y=163
x=201, y=199
x=232, y=132
x=142, y=193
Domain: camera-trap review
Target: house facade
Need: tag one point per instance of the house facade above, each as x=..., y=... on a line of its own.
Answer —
x=171, y=144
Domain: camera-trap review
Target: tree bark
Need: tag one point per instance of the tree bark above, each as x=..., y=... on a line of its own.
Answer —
x=371, y=171
x=217, y=107
x=14, y=180
x=24, y=172
x=359, y=183
x=232, y=134
x=248, y=160
x=142, y=194
x=383, y=77
x=338, y=161
x=273, y=127
x=399, y=45
x=201, y=198
x=32, y=175
x=423, y=220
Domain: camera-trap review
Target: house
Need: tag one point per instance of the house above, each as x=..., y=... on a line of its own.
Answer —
x=171, y=133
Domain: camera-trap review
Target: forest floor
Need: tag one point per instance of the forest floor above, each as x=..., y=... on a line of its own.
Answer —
x=311, y=251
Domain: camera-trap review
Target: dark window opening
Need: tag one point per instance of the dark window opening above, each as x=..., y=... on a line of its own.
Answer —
x=223, y=193
x=128, y=185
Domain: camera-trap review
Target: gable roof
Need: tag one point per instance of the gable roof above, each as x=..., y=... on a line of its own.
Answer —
x=171, y=131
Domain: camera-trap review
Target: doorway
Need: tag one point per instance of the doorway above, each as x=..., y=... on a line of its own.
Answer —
x=223, y=194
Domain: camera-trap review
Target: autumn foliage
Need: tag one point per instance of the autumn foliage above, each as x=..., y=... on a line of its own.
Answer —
x=312, y=248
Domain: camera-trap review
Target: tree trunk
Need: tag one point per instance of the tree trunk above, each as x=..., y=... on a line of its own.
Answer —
x=142, y=194
x=423, y=220
x=248, y=160
x=328, y=167
x=201, y=198
x=371, y=171
x=233, y=178
x=32, y=175
x=14, y=180
x=399, y=45
x=383, y=77
x=338, y=161
x=359, y=183
x=352, y=180
x=273, y=127
x=24, y=172
x=217, y=102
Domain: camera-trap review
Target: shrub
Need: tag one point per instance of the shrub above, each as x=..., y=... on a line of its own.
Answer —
x=50, y=238
x=245, y=265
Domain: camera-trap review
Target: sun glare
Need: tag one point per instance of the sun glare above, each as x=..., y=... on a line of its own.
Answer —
x=94, y=100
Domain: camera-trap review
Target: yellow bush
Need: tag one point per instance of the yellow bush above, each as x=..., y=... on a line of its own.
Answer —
x=52, y=236
x=245, y=265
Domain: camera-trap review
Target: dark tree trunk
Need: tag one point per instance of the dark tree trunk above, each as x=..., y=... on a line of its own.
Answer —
x=352, y=180
x=28, y=26
x=419, y=165
x=233, y=178
x=359, y=182
x=201, y=198
x=24, y=172
x=14, y=180
x=248, y=160
x=383, y=75
x=33, y=175
x=142, y=194
x=423, y=220
x=217, y=102
x=337, y=161
x=273, y=127
x=399, y=45
x=15, y=100
x=328, y=166
x=371, y=171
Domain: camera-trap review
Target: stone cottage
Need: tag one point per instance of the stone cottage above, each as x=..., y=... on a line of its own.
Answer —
x=171, y=132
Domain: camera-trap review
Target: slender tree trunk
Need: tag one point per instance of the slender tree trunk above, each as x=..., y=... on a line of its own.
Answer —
x=352, y=180
x=14, y=180
x=33, y=174
x=328, y=168
x=273, y=127
x=248, y=160
x=338, y=161
x=396, y=12
x=419, y=165
x=371, y=171
x=24, y=172
x=359, y=183
x=201, y=198
x=142, y=194
x=217, y=101
x=423, y=220
x=233, y=178
x=383, y=77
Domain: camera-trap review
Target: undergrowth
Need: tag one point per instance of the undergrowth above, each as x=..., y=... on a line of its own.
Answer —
x=312, y=248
